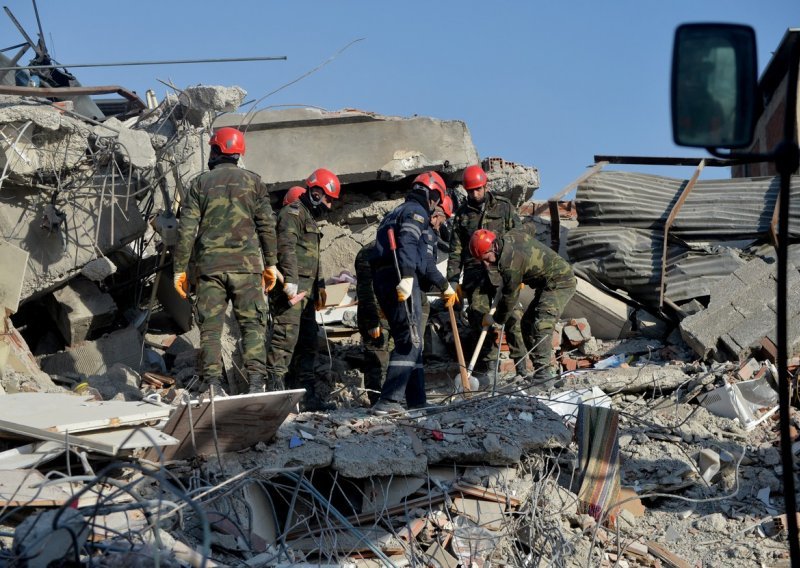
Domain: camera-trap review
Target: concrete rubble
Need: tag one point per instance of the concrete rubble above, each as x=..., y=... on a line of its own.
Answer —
x=98, y=361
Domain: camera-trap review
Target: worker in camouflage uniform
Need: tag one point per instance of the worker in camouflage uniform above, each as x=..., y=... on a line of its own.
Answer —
x=293, y=343
x=228, y=230
x=482, y=210
x=515, y=259
x=372, y=324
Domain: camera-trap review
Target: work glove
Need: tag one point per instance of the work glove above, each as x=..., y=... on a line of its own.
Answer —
x=488, y=321
x=181, y=283
x=459, y=292
x=375, y=332
x=322, y=299
x=290, y=289
x=404, y=289
x=269, y=276
x=450, y=296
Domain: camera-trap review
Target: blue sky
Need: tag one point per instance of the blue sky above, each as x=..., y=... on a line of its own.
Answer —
x=545, y=84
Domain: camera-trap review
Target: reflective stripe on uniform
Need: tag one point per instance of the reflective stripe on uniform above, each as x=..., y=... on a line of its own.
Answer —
x=402, y=363
x=413, y=229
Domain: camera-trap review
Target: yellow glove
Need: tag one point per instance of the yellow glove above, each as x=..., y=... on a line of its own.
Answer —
x=450, y=296
x=181, y=283
x=375, y=332
x=322, y=299
x=404, y=289
x=488, y=321
x=269, y=276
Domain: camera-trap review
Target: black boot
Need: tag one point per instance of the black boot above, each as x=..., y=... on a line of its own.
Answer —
x=256, y=383
x=275, y=383
x=214, y=387
x=313, y=403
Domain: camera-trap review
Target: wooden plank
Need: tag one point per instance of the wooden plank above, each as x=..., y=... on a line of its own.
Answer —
x=485, y=494
x=240, y=421
x=57, y=412
x=670, y=559
x=21, y=487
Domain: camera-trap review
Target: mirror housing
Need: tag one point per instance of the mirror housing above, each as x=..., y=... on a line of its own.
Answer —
x=714, y=85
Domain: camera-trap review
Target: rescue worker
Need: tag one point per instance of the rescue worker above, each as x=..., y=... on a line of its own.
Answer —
x=482, y=210
x=228, y=229
x=294, y=335
x=372, y=324
x=400, y=298
x=293, y=194
x=517, y=258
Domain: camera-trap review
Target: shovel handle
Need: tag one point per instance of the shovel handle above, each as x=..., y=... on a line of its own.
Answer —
x=484, y=331
x=459, y=352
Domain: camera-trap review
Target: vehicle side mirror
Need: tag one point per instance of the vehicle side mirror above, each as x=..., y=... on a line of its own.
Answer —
x=714, y=85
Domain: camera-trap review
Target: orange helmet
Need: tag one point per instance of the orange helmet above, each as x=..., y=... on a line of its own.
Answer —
x=293, y=194
x=433, y=182
x=228, y=141
x=447, y=206
x=327, y=181
x=481, y=242
x=474, y=178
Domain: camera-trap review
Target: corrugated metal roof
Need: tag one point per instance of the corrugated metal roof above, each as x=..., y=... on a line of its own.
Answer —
x=714, y=208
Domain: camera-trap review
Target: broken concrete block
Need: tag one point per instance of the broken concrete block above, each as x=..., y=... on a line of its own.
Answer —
x=201, y=100
x=120, y=382
x=16, y=359
x=80, y=308
x=96, y=357
x=513, y=181
x=608, y=317
x=14, y=261
x=98, y=269
x=650, y=325
x=284, y=146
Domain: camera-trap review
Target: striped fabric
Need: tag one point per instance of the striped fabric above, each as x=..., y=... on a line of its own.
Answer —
x=598, y=460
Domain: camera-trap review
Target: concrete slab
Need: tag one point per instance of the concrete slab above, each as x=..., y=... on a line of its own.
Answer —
x=284, y=146
x=91, y=223
x=381, y=454
x=650, y=378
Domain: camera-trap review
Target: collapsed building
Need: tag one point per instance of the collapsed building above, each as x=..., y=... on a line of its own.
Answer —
x=658, y=450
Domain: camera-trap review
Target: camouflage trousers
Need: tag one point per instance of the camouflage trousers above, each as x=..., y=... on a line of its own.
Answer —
x=294, y=340
x=540, y=320
x=250, y=309
x=480, y=293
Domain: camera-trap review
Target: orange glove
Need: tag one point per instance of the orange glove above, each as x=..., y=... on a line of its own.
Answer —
x=269, y=276
x=459, y=293
x=322, y=299
x=181, y=283
x=375, y=332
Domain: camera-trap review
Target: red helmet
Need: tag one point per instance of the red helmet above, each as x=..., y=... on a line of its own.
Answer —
x=474, y=177
x=447, y=206
x=433, y=182
x=481, y=242
x=327, y=181
x=293, y=194
x=228, y=140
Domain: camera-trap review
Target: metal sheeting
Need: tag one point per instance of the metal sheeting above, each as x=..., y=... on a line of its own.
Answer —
x=715, y=208
x=630, y=260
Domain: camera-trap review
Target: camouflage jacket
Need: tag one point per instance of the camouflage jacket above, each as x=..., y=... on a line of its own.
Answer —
x=368, y=314
x=298, y=245
x=524, y=260
x=226, y=223
x=496, y=214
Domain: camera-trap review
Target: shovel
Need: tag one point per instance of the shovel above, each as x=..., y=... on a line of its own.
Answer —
x=463, y=381
x=481, y=339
